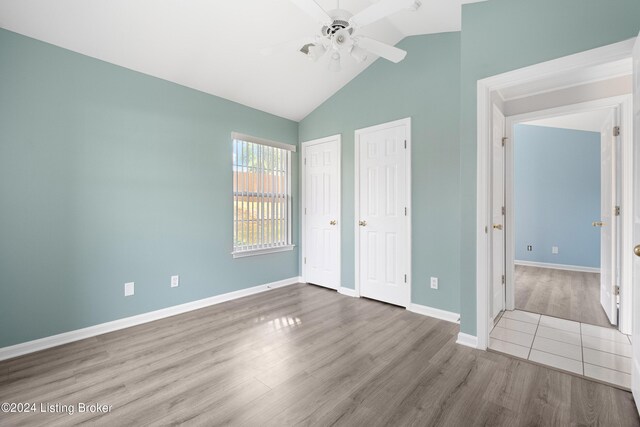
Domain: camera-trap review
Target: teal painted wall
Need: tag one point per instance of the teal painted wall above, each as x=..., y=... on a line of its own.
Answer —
x=503, y=35
x=109, y=176
x=424, y=87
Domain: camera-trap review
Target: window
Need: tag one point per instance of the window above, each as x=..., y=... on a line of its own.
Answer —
x=261, y=196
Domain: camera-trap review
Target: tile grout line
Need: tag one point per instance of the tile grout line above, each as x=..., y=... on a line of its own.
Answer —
x=534, y=338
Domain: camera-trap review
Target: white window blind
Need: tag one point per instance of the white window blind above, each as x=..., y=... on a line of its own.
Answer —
x=261, y=196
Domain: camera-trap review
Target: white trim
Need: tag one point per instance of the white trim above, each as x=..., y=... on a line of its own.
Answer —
x=103, y=328
x=467, y=340
x=356, y=147
x=558, y=266
x=348, y=292
x=248, y=138
x=434, y=312
x=262, y=251
x=598, y=56
x=303, y=252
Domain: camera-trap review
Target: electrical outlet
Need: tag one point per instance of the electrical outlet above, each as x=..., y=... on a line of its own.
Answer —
x=554, y=249
x=175, y=281
x=529, y=248
x=434, y=283
x=129, y=289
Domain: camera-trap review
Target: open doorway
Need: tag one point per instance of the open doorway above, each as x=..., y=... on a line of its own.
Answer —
x=554, y=182
x=566, y=207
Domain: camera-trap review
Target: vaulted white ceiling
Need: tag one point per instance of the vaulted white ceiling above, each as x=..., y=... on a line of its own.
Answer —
x=213, y=45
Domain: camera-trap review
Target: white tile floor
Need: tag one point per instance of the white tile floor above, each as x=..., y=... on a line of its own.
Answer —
x=592, y=351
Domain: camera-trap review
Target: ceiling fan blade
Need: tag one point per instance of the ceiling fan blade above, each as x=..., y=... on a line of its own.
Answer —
x=381, y=10
x=311, y=8
x=287, y=46
x=383, y=50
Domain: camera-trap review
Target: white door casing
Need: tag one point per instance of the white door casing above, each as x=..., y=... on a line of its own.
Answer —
x=382, y=212
x=497, y=216
x=608, y=219
x=321, y=211
x=635, y=370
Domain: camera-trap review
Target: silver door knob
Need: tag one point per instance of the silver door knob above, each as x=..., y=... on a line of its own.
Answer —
x=597, y=223
x=497, y=226
x=636, y=250
x=363, y=223
x=333, y=222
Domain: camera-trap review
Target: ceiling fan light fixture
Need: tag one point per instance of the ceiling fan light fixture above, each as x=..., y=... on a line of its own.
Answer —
x=316, y=52
x=358, y=54
x=334, y=62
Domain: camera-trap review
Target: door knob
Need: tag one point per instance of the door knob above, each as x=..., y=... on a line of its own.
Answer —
x=363, y=223
x=333, y=222
x=497, y=226
x=597, y=223
x=636, y=250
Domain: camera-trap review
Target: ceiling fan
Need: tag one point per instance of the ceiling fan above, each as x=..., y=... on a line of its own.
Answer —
x=338, y=35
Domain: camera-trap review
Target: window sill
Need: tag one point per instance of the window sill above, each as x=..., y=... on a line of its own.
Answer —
x=264, y=251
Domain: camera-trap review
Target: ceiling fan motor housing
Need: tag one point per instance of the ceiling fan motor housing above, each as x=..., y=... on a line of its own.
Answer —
x=340, y=22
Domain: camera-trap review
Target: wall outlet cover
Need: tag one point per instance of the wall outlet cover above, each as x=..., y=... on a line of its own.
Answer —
x=554, y=249
x=175, y=281
x=434, y=283
x=129, y=289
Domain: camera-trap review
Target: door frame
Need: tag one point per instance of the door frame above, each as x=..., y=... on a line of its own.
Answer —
x=402, y=122
x=485, y=87
x=303, y=224
x=624, y=119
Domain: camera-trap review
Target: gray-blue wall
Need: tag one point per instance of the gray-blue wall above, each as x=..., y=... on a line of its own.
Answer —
x=504, y=35
x=109, y=176
x=424, y=87
x=557, y=195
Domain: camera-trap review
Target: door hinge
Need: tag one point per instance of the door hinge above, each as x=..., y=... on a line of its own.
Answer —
x=305, y=260
x=504, y=210
x=305, y=211
x=616, y=131
x=405, y=278
x=405, y=211
x=305, y=160
x=617, y=290
x=617, y=210
x=486, y=229
x=504, y=141
x=405, y=144
x=503, y=280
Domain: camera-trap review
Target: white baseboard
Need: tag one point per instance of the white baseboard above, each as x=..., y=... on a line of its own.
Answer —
x=347, y=291
x=103, y=328
x=434, y=312
x=467, y=340
x=558, y=266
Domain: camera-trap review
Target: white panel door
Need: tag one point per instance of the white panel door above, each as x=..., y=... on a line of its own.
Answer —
x=322, y=213
x=382, y=216
x=607, y=218
x=497, y=216
x=635, y=374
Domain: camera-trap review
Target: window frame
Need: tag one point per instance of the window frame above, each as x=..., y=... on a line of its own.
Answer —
x=288, y=217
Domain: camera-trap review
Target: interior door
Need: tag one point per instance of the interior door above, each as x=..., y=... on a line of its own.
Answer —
x=382, y=216
x=635, y=374
x=607, y=222
x=497, y=213
x=322, y=213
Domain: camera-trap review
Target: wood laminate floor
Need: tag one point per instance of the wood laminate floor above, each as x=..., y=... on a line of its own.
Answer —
x=301, y=355
x=570, y=295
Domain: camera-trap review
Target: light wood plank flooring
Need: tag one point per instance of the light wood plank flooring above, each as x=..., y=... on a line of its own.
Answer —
x=302, y=355
x=571, y=295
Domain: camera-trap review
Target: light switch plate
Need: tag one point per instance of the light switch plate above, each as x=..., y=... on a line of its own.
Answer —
x=175, y=281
